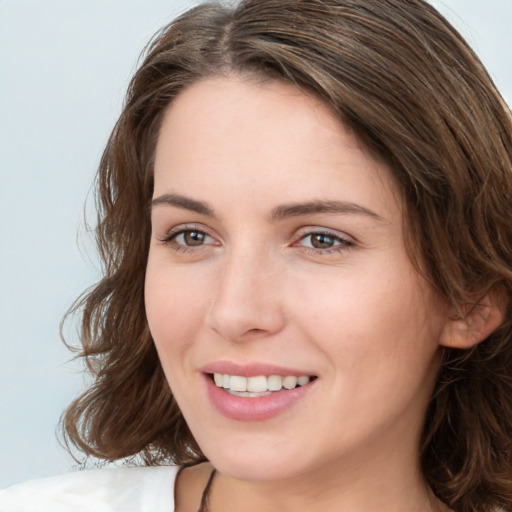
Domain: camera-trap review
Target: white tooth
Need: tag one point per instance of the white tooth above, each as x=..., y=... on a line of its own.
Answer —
x=274, y=383
x=225, y=381
x=217, y=377
x=301, y=381
x=257, y=384
x=289, y=382
x=238, y=383
x=246, y=394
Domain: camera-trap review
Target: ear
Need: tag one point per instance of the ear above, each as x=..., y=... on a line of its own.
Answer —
x=473, y=323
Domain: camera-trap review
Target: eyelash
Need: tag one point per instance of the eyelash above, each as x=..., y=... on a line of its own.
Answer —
x=341, y=243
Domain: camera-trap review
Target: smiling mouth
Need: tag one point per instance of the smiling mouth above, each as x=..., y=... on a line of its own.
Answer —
x=252, y=387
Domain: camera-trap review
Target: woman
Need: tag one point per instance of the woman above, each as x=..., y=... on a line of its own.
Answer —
x=305, y=223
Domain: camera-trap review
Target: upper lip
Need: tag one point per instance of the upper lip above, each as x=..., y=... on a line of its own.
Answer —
x=252, y=369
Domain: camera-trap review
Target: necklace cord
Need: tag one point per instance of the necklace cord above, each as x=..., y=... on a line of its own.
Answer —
x=203, y=507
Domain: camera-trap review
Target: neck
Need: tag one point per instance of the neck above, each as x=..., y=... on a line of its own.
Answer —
x=326, y=491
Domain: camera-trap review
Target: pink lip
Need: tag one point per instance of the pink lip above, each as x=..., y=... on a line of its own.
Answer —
x=258, y=408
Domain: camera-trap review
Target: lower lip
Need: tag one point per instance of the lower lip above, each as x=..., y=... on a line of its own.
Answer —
x=257, y=408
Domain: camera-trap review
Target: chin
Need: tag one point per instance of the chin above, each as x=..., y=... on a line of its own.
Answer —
x=256, y=459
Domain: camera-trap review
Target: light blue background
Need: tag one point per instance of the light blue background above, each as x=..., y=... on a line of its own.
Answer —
x=64, y=67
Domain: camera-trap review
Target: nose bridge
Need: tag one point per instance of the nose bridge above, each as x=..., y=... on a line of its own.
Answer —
x=247, y=300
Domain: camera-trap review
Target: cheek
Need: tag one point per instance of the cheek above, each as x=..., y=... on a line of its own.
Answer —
x=174, y=307
x=383, y=321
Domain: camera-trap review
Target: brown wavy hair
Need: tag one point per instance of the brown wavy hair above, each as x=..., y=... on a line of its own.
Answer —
x=401, y=77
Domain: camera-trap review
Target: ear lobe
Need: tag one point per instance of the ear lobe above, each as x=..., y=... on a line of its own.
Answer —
x=474, y=322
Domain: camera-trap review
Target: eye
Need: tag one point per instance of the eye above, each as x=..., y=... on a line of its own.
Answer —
x=192, y=237
x=324, y=242
x=188, y=239
x=321, y=240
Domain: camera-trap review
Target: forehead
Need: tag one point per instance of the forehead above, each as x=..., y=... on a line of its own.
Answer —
x=229, y=136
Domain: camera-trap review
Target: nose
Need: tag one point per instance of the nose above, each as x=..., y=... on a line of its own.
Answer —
x=247, y=302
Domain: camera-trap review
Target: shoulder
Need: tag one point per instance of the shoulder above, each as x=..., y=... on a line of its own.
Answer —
x=138, y=489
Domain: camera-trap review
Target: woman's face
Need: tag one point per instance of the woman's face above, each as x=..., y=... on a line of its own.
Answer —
x=277, y=251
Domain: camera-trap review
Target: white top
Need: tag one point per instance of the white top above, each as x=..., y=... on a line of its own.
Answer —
x=139, y=489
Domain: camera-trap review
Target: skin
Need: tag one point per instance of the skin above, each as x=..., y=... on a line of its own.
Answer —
x=256, y=289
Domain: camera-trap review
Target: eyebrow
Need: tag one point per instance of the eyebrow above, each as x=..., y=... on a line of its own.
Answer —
x=183, y=202
x=321, y=206
x=278, y=213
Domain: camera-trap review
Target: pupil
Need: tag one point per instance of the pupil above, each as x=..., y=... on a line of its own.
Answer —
x=194, y=238
x=321, y=241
